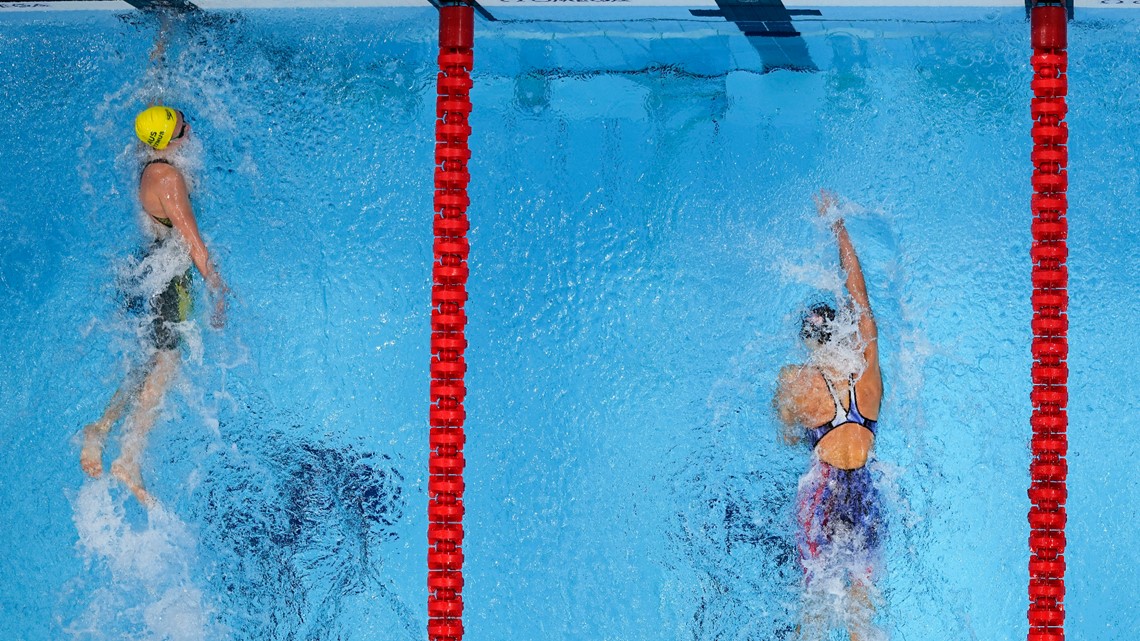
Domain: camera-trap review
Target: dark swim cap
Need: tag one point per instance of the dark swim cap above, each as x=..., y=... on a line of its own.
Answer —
x=816, y=324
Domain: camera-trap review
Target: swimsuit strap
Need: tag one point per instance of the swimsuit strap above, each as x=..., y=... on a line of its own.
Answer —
x=842, y=415
x=855, y=416
x=840, y=412
x=817, y=434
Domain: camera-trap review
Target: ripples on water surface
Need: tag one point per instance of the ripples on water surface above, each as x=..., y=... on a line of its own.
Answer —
x=643, y=240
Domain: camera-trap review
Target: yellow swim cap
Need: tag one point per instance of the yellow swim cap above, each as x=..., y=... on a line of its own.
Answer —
x=155, y=126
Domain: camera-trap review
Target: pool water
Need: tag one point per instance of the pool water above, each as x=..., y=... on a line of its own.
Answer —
x=643, y=240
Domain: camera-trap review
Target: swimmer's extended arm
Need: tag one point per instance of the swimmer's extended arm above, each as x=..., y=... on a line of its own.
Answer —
x=175, y=199
x=871, y=381
x=159, y=50
x=856, y=285
x=872, y=378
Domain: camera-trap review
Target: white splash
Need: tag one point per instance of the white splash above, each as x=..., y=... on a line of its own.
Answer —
x=151, y=594
x=162, y=264
x=844, y=352
x=840, y=587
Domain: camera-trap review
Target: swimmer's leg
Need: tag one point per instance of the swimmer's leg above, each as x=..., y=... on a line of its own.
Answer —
x=95, y=434
x=813, y=627
x=814, y=505
x=126, y=467
x=862, y=595
x=860, y=611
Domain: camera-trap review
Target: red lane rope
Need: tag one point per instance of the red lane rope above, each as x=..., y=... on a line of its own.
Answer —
x=448, y=322
x=1048, y=469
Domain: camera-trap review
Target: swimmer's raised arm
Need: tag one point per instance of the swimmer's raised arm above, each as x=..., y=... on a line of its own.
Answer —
x=159, y=50
x=857, y=289
x=856, y=285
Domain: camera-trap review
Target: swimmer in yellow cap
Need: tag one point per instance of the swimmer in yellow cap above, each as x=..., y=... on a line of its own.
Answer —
x=165, y=198
x=158, y=126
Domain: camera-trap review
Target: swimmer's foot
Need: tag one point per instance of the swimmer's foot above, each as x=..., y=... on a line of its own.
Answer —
x=91, y=456
x=128, y=473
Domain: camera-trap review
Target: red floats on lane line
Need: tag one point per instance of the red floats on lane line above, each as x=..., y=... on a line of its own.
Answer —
x=450, y=271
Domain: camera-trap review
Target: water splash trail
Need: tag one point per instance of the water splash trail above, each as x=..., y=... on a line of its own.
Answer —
x=150, y=591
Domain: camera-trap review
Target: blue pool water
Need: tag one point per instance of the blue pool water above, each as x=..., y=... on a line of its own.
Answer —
x=643, y=239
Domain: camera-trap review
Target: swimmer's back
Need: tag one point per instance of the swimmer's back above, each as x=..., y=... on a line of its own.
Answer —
x=809, y=403
x=159, y=183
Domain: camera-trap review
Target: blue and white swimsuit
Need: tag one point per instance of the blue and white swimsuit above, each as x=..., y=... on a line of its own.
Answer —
x=838, y=510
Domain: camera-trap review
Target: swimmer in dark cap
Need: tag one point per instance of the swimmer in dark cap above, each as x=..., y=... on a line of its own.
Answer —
x=835, y=407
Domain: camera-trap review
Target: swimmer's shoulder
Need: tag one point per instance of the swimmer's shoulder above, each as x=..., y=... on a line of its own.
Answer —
x=159, y=168
x=799, y=374
x=789, y=372
x=163, y=177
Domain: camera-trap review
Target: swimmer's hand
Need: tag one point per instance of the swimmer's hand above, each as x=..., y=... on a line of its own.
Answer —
x=218, y=318
x=825, y=201
x=827, y=204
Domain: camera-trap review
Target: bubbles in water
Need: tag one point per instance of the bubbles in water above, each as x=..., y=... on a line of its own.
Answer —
x=148, y=273
x=151, y=593
x=841, y=530
x=141, y=280
x=843, y=353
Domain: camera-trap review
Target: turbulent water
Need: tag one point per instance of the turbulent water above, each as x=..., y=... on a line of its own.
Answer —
x=644, y=242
